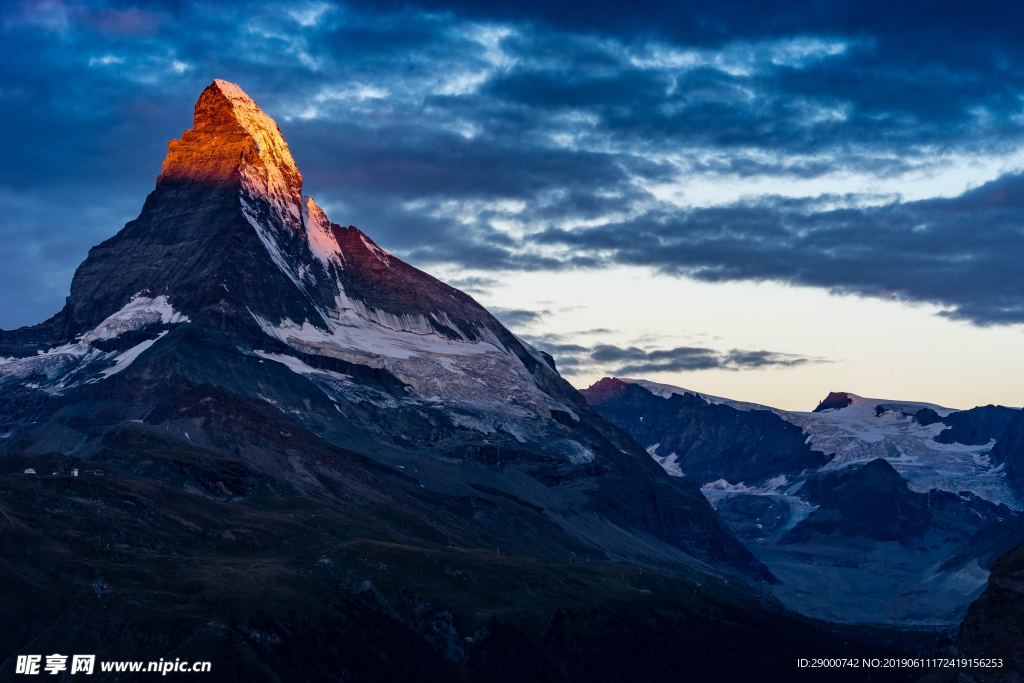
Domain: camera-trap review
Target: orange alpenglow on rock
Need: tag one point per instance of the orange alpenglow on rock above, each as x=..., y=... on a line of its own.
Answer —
x=232, y=140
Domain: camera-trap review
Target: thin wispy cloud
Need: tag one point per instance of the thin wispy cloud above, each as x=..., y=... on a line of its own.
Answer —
x=605, y=358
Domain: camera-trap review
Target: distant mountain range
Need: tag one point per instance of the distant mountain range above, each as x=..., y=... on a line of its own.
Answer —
x=867, y=510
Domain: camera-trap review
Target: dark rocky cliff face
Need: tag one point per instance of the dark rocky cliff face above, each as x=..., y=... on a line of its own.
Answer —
x=836, y=400
x=870, y=501
x=1009, y=452
x=977, y=426
x=710, y=441
x=993, y=625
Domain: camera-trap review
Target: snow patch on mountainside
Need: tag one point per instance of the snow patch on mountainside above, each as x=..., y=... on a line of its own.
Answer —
x=68, y=365
x=862, y=431
x=779, y=489
x=381, y=255
x=857, y=434
x=578, y=453
x=484, y=386
x=125, y=358
x=318, y=233
x=670, y=463
x=140, y=312
x=773, y=485
x=269, y=240
x=386, y=336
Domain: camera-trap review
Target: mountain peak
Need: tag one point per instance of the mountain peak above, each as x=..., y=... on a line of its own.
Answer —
x=230, y=89
x=836, y=400
x=604, y=390
x=232, y=137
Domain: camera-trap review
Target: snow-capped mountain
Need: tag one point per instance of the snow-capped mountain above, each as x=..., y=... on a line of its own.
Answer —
x=297, y=439
x=930, y=446
x=232, y=278
x=866, y=509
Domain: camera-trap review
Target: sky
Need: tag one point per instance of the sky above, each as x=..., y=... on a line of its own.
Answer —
x=766, y=201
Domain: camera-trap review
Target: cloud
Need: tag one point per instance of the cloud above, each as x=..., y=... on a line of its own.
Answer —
x=960, y=253
x=633, y=360
x=541, y=136
x=518, y=317
x=613, y=359
x=473, y=284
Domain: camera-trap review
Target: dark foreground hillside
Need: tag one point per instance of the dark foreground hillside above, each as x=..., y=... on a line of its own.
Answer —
x=270, y=585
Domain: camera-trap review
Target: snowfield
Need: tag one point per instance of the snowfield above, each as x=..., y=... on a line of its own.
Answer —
x=62, y=367
x=857, y=434
x=486, y=388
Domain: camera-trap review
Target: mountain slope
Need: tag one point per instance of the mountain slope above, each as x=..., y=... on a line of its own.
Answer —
x=865, y=509
x=231, y=278
x=712, y=441
x=202, y=558
x=288, y=439
x=1008, y=453
x=870, y=501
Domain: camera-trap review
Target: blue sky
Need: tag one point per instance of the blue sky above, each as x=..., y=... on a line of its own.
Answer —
x=842, y=156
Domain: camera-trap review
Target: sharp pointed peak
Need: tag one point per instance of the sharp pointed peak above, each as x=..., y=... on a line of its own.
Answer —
x=229, y=129
x=229, y=89
x=837, y=400
x=314, y=212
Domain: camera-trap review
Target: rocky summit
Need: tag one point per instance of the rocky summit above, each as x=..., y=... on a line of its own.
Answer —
x=253, y=436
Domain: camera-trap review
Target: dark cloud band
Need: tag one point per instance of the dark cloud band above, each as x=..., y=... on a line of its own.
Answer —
x=636, y=360
x=963, y=254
